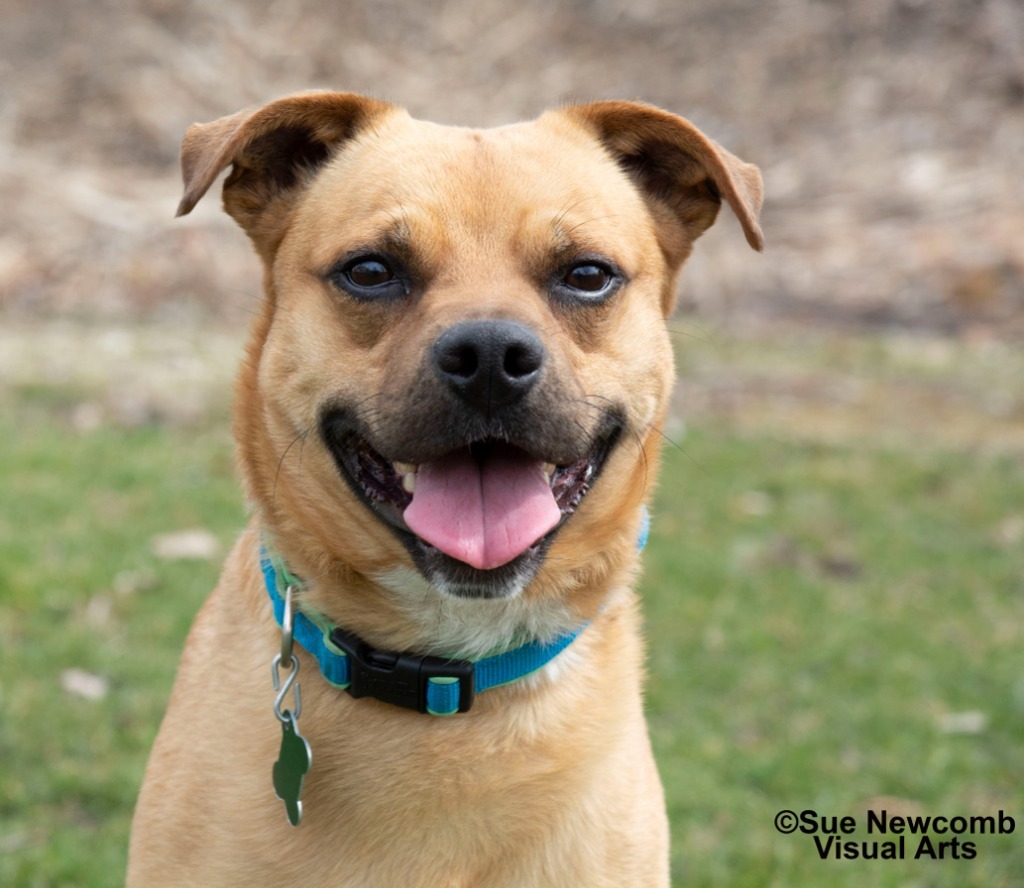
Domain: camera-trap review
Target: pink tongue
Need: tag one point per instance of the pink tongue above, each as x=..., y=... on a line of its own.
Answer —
x=484, y=513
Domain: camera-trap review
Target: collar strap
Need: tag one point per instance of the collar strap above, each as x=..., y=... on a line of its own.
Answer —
x=432, y=685
x=427, y=684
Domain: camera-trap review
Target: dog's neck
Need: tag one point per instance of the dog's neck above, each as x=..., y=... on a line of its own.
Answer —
x=471, y=628
x=437, y=685
x=430, y=622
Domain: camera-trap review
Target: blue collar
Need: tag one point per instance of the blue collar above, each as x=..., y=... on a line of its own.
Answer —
x=427, y=684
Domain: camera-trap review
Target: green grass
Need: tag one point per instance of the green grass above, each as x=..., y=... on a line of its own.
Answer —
x=79, y=588
x=815, y=612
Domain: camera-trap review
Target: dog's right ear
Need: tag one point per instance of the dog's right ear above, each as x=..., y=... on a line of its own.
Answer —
x=272, y=150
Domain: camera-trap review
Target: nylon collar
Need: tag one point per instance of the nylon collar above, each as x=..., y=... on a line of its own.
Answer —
x=432, y=685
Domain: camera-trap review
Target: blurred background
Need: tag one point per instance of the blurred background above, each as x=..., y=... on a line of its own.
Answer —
x=890, y=134
x=884, y=322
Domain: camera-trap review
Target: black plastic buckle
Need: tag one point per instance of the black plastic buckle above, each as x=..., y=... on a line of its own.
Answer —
x=399, y=679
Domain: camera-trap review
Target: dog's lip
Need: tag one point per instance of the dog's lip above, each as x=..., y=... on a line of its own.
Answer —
x=386, y=485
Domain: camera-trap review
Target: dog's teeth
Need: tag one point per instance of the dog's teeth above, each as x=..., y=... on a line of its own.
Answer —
x=549, y=470
x=409, y=482
x=404, y=468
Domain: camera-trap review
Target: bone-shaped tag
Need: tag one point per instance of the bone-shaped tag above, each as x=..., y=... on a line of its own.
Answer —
x=290, y=768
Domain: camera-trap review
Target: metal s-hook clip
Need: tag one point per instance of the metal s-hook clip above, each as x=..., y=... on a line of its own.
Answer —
x=295, y=758
x=284, y=687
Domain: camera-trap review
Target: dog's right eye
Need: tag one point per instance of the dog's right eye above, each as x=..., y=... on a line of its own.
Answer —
x=367, y=277
x=369, y=273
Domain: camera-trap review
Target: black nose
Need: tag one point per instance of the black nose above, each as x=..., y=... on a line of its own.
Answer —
x=489, y=364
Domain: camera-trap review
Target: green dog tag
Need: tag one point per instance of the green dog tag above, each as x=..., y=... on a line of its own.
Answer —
x=290, y=768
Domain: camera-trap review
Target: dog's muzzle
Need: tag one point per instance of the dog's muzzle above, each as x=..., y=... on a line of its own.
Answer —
x=477, y=480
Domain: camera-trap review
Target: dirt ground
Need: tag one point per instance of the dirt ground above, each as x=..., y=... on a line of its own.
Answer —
x=890, y=134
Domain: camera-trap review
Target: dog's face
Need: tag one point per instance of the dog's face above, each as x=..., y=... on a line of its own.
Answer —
x=463, y=365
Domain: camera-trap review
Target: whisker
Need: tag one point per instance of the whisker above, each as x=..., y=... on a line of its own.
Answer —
x=705, y=336
x=643, y=457
x=681, y=449
x=560, y=218
x=588, y=221
x=301, y=436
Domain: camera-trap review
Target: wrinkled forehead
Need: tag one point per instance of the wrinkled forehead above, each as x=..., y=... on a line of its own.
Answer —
x=515, y=186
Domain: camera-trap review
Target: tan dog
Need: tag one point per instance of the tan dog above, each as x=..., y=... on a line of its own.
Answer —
x=448, y=423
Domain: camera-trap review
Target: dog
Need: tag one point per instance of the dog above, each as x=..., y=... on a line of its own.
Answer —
x=422, y=665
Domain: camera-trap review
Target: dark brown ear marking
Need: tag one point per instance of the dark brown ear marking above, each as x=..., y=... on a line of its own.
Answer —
x=270, y=147
x=677, y=165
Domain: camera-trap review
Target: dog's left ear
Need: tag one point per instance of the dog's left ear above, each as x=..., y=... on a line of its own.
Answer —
x=682, y=173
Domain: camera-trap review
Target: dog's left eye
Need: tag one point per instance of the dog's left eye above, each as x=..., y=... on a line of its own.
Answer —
x=589, y=281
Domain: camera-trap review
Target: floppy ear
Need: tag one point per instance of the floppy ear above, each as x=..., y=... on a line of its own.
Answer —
x=682, y=173
x=272, y=150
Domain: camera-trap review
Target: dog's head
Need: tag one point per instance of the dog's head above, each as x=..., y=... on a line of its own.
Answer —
x=463, y=362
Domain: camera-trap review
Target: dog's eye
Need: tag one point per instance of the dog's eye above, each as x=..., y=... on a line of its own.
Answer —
x=589, y=281
x=588, y=277
x=368, y=277
x=368, y=273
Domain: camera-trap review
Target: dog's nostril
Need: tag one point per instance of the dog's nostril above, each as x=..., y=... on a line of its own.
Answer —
x=461, y=361
x=521, y=360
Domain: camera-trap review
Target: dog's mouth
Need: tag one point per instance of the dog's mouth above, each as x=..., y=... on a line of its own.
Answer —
x=477, y=515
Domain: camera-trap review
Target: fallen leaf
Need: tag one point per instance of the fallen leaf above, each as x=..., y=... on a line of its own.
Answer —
x=80, y=683
x=185, y=544
x=970, y=722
